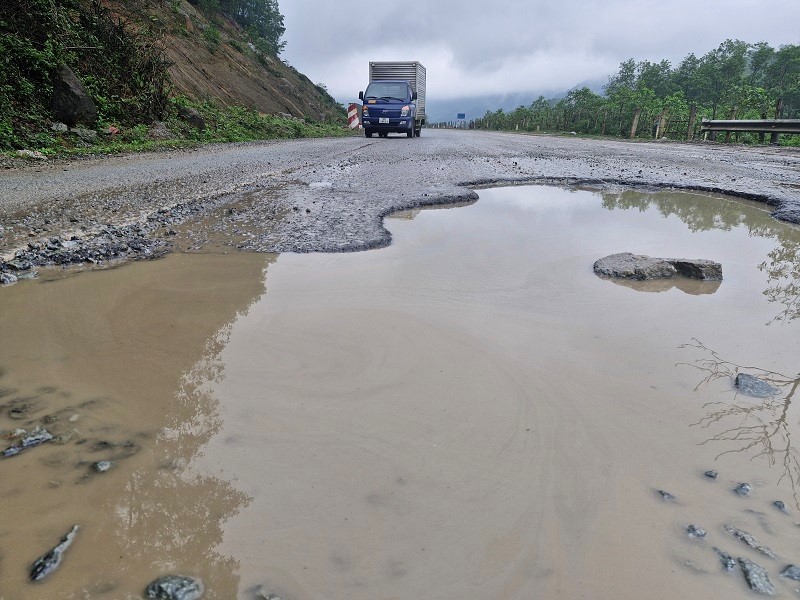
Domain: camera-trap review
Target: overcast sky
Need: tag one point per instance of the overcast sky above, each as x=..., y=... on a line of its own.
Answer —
x=480, y=47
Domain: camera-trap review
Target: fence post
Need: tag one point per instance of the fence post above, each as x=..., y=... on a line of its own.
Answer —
x=635, y=125
x=692, y=121
x=778, y=110
x=732, y=116
x=662, y=123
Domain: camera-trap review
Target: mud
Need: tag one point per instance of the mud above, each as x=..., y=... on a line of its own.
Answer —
x=469, y=412
x=332, y=195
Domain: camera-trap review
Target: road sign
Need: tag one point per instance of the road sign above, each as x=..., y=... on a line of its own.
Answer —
x=462, y=116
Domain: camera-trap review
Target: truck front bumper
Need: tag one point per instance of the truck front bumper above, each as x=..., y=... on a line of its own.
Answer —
x=401, y=125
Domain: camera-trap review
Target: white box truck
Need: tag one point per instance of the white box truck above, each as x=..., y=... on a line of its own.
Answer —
x=394, y=101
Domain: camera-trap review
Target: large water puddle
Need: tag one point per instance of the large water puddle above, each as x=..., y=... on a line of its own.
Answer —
x=468, y=413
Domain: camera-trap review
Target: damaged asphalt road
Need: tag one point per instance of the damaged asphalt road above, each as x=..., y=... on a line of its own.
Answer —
x=331, y=195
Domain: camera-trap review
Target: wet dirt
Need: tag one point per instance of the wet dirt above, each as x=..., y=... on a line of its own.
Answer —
x=469, y=412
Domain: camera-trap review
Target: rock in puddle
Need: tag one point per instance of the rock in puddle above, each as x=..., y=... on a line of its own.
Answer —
x=749, y=540
x=8, y=279
x=693, y=531
x=48, y=563
x=626, y=265
x=262, y=594
x=174, y=587
x=36, y=437
x=792, y=572
x=101, y=466
x=753, y=386
x=743, y=489
x=781, y=506
x=757, y=577
x=666, y=496
x=728, y=563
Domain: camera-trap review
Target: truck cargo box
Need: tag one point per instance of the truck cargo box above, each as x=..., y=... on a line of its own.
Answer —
x=411, y=71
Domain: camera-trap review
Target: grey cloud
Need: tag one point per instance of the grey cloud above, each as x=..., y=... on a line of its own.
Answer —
x=518, y=45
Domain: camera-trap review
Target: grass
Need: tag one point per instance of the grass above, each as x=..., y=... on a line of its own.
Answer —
x=223, y=124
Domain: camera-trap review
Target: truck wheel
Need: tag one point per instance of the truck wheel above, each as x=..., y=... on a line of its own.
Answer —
x=367, y=132
x=418, y=132
x=410, y=132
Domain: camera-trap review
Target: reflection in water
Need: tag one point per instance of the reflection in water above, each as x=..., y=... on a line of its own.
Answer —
x=174, y=513
x=694, y=287
x=782, y=266
x=153, y=334
x=760, y=428
x=179, y=512
x=411, y=213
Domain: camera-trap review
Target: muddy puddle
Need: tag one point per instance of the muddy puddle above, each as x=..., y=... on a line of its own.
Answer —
x=468, y=413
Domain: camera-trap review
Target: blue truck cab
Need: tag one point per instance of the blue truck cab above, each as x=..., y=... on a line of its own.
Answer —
x=389, y=106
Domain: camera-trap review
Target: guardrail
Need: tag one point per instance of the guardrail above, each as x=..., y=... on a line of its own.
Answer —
x=761, y=126
x=755, y=125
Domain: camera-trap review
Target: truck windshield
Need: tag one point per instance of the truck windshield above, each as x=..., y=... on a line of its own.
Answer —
x=391, y=90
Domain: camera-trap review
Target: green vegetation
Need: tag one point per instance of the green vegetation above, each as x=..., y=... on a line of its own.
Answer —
x=261, y=18
x=123, y=70
x=222, y=124
x=122, y=67
x=645, y=100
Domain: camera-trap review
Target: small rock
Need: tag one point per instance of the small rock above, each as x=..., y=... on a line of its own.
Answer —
x=159, y=131
x=262, y=594
x=753, y=386
x=193, y=117
x=757, y=577
x=666, y=496
x=743, y=489
x=59, y=127
x=33, y=154
x=64, y=438
x=101, y=466
x=695, y=532
x=87, y=135
x=711, y=474
x=726, y=559
x=781, y=506
x=48, y=563
x=792, y=572
x=749, y=540
x=36, y=437
x=8, y=279
x=174, y=587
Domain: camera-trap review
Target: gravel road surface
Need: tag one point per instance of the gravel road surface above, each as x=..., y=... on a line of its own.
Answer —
x=331, y=194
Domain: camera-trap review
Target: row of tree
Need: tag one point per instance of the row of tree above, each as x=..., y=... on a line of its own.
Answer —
x=262, y=18
x=645, y=99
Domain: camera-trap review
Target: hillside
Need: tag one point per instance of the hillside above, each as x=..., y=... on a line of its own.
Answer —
x=86, y=75
x=212, y=58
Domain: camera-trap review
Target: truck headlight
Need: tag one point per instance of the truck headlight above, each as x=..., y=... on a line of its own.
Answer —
x=365, y=111
x=405, y=110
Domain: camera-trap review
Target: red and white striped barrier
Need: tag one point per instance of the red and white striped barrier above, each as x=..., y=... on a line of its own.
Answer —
x=352, y=116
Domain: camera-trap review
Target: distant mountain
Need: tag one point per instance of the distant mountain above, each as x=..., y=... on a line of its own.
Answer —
x=476, y=106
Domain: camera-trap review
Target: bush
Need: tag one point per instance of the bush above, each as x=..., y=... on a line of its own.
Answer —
x=124, y=71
